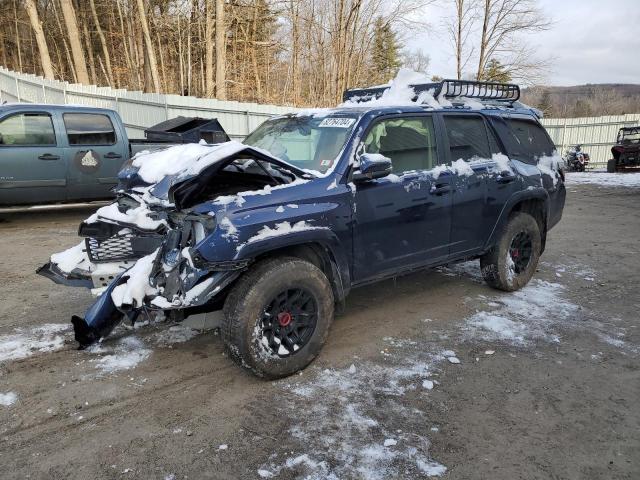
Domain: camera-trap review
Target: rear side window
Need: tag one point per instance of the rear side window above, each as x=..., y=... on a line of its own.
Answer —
x=530, y=140
x=89, y=129
x=467, y=136
x=27, y=129
x=410, y=143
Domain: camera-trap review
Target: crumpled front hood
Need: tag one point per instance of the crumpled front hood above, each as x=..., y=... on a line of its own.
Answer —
x=164, y=170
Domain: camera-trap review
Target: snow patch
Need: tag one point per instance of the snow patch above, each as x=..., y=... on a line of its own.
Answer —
x=126, y=354
x=190, y=158
x=138, y=216
x=137, y=287
x=524, y=316
x=8, y=399
x=24, y=343
x=351, y=402
x=604, y=179
x=282, y=228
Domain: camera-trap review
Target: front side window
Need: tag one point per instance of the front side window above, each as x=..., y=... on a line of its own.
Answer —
x=410, y=143
x=89, y=129
x=468, y=138
x=27, y=129
x=307, y=142
x=530, y=138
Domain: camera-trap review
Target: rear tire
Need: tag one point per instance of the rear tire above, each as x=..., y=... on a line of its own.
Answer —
x=277, y=317
x=611, y=166
x=513, y=260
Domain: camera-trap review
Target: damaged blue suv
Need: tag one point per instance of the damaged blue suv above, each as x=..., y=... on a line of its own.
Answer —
x=278, y=229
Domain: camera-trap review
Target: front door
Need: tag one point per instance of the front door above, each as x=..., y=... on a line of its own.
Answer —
x=402, y=220
x=94, y=154
x=32, y=166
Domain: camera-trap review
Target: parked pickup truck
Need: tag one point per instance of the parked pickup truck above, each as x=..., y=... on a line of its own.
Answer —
x=278, y=230
x=61, y=153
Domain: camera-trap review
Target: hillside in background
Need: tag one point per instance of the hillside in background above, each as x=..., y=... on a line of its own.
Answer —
x=591, y=100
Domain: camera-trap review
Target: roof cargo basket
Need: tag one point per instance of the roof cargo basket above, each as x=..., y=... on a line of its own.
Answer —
x=487, y=91
x=187, y=130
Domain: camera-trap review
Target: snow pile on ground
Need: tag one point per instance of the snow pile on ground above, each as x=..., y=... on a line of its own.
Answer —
x=603, y=179
x=469, y=269
x=8, y=399
x=352, y=418
x=24, y=343
x=524, y=316
x=125, y=354
x=176, y=334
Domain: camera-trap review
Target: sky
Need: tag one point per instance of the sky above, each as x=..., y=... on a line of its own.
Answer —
x=590, y=41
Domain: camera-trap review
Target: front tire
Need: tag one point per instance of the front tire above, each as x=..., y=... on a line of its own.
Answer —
x=611, y=165
x=513, y=260
x=277, y=317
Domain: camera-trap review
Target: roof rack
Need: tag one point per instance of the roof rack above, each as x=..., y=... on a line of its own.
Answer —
x=491, y=91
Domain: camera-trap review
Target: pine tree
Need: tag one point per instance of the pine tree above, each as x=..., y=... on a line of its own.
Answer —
x=385, y=57
x=495, y=72
x=545, y=103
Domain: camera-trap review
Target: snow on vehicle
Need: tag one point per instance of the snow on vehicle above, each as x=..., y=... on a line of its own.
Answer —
x=276, y=231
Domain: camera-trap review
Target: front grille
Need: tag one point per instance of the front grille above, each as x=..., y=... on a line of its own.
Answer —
x=118, y=247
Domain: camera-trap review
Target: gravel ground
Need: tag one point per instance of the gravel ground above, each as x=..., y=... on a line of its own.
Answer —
x=433, y=374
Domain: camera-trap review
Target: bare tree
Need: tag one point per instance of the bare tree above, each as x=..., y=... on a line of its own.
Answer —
x=416, y=60
x=151, y=56
x=209, y=29
x=502, y=23
x=103, y=43
x=71, y=24
x=459, y=31
x=45, y=59
x=221, y=52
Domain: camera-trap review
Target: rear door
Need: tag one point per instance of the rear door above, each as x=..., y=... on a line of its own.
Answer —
x=32, y=165
x=402, y=220
x=94, y=153
x=477, y=197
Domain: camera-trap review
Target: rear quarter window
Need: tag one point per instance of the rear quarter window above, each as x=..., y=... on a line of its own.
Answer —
x=89, y=129
x=529, y=140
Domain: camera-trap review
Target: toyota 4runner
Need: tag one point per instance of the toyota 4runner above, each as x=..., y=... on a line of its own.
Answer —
x=277, y=230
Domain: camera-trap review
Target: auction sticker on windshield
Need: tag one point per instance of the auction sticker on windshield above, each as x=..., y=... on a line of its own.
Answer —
x=339, y=122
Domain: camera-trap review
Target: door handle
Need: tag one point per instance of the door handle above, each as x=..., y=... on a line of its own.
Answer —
x=49, y=156
x=440, y=189
x=112, y=155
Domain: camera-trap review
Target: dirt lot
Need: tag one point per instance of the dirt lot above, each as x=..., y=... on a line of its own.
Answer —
x=557, y=399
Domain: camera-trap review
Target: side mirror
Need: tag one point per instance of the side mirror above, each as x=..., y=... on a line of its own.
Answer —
x=372, y=165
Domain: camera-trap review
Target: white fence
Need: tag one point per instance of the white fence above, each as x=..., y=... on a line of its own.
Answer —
x=596, y=134
x=141, y=110
x=138, y=110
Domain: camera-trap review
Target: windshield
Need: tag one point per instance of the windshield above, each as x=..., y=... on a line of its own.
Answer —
x=306, y=142
x=630, y=136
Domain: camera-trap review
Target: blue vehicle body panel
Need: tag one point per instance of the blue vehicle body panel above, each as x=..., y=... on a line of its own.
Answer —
x=377, y=228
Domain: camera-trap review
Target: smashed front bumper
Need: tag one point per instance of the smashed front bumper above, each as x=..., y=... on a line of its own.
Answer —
x=173, y=277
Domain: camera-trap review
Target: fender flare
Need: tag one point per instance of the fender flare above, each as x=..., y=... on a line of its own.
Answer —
x=322, y=236
x=538, y=193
